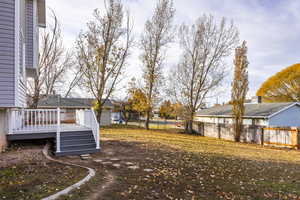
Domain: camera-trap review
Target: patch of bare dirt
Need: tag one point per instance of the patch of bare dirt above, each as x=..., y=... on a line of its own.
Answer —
x=19, y=155
x=26, y=174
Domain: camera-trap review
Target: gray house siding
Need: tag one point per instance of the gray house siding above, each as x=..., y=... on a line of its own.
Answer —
x=7, y=54
x=29, y=33
x=288, y=117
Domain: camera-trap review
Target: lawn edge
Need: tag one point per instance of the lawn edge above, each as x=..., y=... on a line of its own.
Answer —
x=67, y=190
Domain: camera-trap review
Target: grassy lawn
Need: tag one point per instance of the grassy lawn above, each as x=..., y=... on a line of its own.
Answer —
x=152, y=125
x=158, y=164
x=197, y=144
x=194, y=167
x=26, y=174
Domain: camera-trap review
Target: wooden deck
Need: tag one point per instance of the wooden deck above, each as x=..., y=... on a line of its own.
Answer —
x=77, y=138
x=44, y=132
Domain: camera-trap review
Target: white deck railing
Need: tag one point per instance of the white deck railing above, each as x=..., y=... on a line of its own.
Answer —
x=35, y=119
x=88, y=119
x=32, y=119
x=50, y=119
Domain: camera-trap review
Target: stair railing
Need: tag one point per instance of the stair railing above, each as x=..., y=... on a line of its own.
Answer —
x=95, y=128
x=58, y=131
x=88, y=119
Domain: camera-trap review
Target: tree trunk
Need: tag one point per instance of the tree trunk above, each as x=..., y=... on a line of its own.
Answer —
x=237, y=130
x=36, y=95
x=190, y=123
x=190, y=126
x=35, y=101
x=186, y=127
x=147, y=120
x=99, y=112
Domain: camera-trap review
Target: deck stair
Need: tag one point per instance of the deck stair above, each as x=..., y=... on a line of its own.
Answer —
x=81, y=137
x=77, y=143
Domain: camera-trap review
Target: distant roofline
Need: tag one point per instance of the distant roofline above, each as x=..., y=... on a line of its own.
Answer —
x=295, y=103
x=230, y=116
x=82, y=103
x=253, y=116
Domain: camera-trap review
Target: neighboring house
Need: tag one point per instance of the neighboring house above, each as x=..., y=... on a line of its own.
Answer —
x=20, y=21
x=261, y=114
x=117, y=115
x=263, y=123
x=70, y=105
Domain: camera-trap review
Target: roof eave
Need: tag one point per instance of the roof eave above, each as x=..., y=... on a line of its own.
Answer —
x=230, y=116
x=285, y=108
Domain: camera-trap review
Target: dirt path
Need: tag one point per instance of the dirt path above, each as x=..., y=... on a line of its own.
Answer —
x=99, y=191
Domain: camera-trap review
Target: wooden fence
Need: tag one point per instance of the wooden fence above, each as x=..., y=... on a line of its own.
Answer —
x=282, y=137
x=279, y=137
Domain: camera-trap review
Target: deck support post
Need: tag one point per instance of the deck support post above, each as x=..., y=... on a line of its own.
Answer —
x=58, y=131
x=10, y=121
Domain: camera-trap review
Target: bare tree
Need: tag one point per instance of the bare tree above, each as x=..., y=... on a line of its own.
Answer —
x=102, y=51
x=76, y=73
x=239, y=88
x=157, y=35
x=201, y=69
x=54, y=61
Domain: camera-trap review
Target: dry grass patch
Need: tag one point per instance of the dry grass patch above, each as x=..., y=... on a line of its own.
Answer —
x=194, y=167
x=194, y=143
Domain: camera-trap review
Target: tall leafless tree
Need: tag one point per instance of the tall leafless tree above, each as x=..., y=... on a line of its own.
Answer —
x=201, y=69
x=102, y=51
x=239, y=88
x=154, y=40
x=75, y=75
x=54, y=61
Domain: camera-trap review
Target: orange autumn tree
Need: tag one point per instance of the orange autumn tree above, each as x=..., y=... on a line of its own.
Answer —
x=284, y=86
x=166, y=110
x=138, y=101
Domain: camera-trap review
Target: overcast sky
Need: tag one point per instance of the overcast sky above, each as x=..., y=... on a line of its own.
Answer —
x=270, y=27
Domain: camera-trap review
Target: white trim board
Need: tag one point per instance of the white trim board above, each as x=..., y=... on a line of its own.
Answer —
x=35, y=34
x=17, y=51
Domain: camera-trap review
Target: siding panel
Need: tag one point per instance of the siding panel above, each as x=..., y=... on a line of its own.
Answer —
x=6, y=33
x=6, y=22
x=6, y=40
x=286, y=118
x=7, y=14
